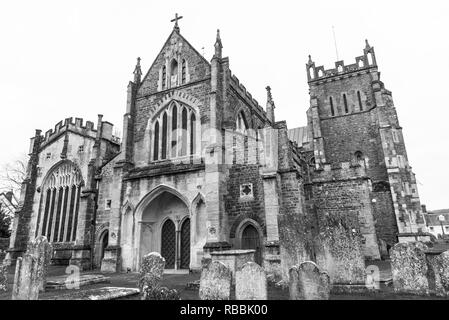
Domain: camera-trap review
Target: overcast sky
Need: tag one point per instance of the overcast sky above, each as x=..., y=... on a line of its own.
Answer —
x=62, y=59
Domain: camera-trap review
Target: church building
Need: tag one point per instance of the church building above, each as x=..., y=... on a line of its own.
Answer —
x=202, y=167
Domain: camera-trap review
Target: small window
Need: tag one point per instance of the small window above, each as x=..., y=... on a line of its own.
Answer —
x=331, y=102
x=345, y=101
x=358, y=155
x=184, y=71
x=360, y=100
x=340, y=69
x=395, y=136
x=431, y=228
x=311, y=73
x=81, y=149
x=108, y=204
x=48, y=155
x=164, y=77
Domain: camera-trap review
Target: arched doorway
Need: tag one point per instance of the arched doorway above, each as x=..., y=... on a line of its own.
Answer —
x=104, y=243
x=251, y=240
x=185, y=244
x=164, y=227
x=168, y=244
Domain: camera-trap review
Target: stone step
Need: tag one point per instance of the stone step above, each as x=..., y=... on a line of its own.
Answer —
x=66, y=282
x=105, y=293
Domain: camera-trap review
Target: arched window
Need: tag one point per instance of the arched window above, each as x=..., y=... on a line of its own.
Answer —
x=164, y=136
x=241, y=124
x=339, y=69
x=311, y=73
x=176, y=137
x=58, y=214
x=360, y=100
x=156, y=141
x=184, y=71
x=164, y=78
x=361, y=63
x=174, y=131
x=174, y=73
x=370, y=58
x=184, y=132
x=358, y=155
x=192, y=134
x=331, y=102
x=345, y=101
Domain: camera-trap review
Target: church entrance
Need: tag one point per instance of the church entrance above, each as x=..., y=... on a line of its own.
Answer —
x=165, y=228
x=185, y=244
x=251, y=240
x=168, y=244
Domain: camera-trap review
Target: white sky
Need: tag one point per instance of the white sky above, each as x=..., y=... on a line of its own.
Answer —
x=62, y=59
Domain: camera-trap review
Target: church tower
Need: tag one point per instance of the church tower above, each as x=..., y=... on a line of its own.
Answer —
x=354, y=119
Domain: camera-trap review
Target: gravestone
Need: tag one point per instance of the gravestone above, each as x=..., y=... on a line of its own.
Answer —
x=251, y=282
x=409, y=268
x=215, y=282
x=27, y=279
x=438, y=275
x=314, y=284
x=293, y=283
x=42, y=251
x=3, y=276
x=151, y=271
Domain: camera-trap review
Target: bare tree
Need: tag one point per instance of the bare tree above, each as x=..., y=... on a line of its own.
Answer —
x=12, y=175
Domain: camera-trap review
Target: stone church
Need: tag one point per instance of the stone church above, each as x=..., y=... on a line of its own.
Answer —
x=202, y=166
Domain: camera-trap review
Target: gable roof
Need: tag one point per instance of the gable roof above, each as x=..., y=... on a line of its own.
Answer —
x=163, y=47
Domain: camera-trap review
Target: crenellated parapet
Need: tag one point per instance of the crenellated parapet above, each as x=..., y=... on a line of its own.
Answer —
x=87, y=130
x=241, y=90
x=362, y=63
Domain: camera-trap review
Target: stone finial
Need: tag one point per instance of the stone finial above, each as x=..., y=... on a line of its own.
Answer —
x=310, y=60
x=270, y=105
x=367, y=46
x=218, y=45
x=137, y=72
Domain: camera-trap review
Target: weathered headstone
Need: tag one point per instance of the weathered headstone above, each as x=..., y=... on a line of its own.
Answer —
x=215, y=282
x=293, y=283
x=438, y=276
x=372, y=280
x=314, y=284
x=3, y=276
x=409, y=268
x=26, y=279
x=151, y=271
x=251, y=282
x=42, y=251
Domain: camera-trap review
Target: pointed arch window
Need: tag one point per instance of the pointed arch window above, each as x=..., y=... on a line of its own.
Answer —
x=175, y=132
x=360, y=100
x=164, y=136
x=174, y=73
x=184, y=132
x=58, y=212
x=345, y=101
x=156, y=141
x=192, y=134
x=241, y=125
x=331, y=102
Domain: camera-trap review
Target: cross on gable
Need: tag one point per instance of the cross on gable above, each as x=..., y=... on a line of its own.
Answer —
x=175, y=20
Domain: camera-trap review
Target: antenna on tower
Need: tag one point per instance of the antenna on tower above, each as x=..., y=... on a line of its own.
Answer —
x=335, y=42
